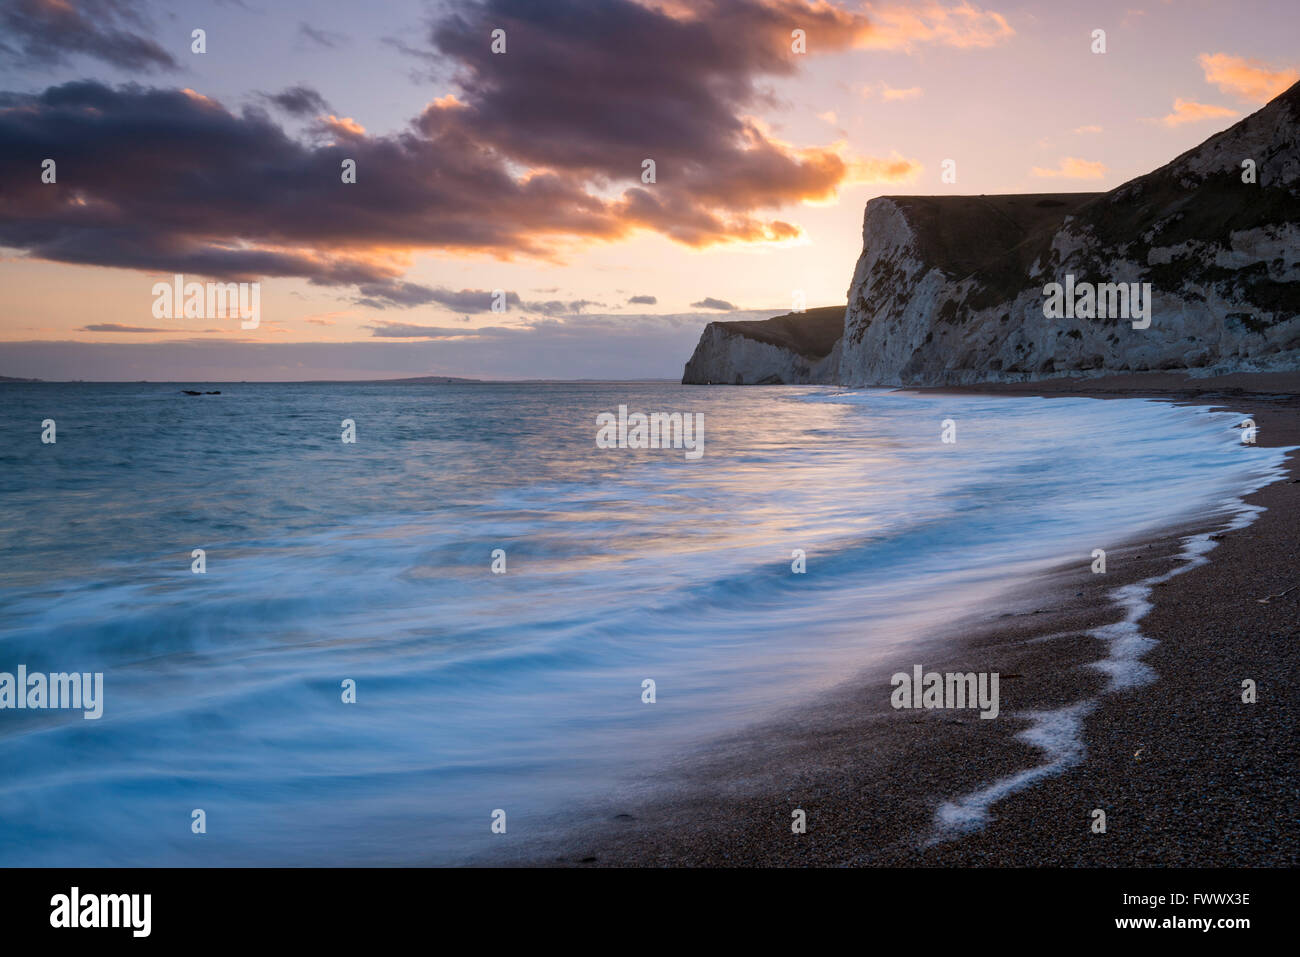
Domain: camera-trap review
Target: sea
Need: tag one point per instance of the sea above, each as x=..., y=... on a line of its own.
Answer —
x=471, y=624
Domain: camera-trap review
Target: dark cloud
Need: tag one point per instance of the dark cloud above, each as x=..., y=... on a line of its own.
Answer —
x=558, y=307
x=675, y=89
x=710, y=303
x=381, y=295
x=299, y=100
x=432, y=69
x=170, y=180
x=118, y=327
x=404, y=48
x=47, y=32
x=643, y=300
x=323, y=38
x=471, y=300
x=520, y=161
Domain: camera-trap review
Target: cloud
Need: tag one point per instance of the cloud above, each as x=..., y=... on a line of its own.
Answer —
x=557, y=307
x=404, y=48
x=1188, y=111
x=894, y=169
x=677, y=86
x=1071, y=167
x=117, y=327
x=433, y=65
x=1087, y=129
x=643, y=300
x=299, y=101
x=1249, y=80
x=341, y=126
x=889, y=93
x=381, y=295
x=527, y=157
x=396, y=293
x=323, y=38
x=472, y=300
x=47, y=33
x=711, y=303
x=962, y=25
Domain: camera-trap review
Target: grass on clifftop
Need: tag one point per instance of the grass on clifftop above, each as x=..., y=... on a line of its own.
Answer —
x=812, y=333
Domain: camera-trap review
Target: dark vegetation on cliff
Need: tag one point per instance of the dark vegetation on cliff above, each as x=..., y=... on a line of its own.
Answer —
x=811, y=333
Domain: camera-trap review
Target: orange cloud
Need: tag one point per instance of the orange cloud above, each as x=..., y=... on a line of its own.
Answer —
x=1249, y=80
x=1189, y=111
x=889, y=93
x=1071, y=167
x=872, y=169
x=343, y=125
x=200, y=99
x=899, y=27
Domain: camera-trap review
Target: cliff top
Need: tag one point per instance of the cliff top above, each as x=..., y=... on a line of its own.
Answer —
x=812, y=333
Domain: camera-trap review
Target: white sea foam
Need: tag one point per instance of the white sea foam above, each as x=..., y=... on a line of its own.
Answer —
x=1060, y=733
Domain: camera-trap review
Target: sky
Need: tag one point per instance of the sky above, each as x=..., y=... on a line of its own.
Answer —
x=516, y=176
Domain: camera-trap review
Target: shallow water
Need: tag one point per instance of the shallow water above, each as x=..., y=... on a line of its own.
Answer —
x=478, y=691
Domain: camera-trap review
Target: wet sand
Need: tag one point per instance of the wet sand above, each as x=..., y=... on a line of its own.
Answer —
x=1186, y=773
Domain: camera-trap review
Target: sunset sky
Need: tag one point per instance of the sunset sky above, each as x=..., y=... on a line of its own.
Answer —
x=522, y=171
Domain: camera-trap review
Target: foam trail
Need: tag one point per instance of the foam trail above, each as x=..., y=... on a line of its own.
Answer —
x=1059, y=733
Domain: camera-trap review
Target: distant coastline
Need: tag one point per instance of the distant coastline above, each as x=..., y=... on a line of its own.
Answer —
x=415, y=380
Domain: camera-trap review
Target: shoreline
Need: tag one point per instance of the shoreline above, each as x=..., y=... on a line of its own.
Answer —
x=1186, y=773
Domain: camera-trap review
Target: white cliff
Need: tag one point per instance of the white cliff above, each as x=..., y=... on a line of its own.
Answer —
x=951, y=289
x=794, y=349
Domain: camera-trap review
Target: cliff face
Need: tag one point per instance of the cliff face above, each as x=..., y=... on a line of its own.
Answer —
x=951, y=290
x=794, y=349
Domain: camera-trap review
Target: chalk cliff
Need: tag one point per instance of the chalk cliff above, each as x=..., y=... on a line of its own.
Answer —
x=950, y=289
x=788, y=350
